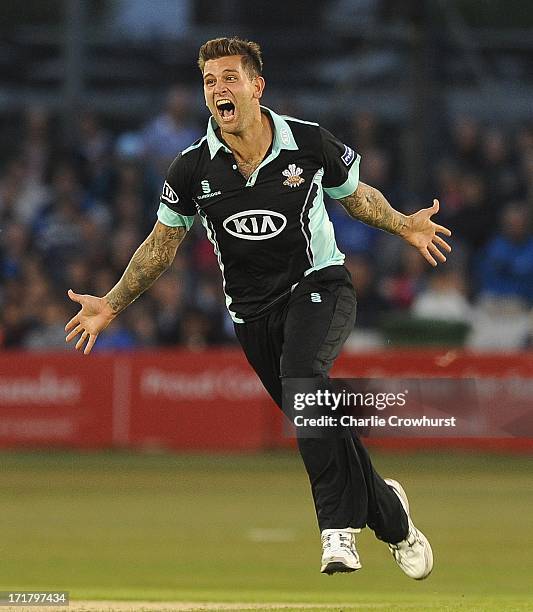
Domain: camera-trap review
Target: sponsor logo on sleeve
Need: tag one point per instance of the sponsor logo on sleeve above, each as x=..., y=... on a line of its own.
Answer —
x=169, y=195
x=348, y=155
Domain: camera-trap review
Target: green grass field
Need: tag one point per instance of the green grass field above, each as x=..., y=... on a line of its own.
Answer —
x=242, y=529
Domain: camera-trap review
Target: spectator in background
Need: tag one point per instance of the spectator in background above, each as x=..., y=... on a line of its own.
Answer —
x=58, y=234
x=499, y=169
x=401, y=288
x=524, y=138
x=128, y=209
x=474, y=221
x=502, y=312
x=124, y=242
x=37, y=290
x=210, y=302
x=14, y=326
x=447, y=177
x=195, y=330
x=444, y=298
x=140, y=321
x=371, y=306
x=59, y=229
x=119, y=338
x=94, y=145
x=78, y=272
x=466, y=144
x=24, y=181
x=171, y=131
x=507, y=268
x=48, y=333
x=101, y=279
x=21, y=197
x=128, y=176
x=204, y=259
x=365, y=131
x=526, y=167
x=14, y=242
x=168, y=294
x=36, y=146
x=95, y=239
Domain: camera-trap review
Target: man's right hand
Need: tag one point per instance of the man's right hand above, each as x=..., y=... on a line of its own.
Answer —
x=95, y=315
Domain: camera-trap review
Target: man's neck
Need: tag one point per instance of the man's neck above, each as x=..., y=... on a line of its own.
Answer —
x=252, y=143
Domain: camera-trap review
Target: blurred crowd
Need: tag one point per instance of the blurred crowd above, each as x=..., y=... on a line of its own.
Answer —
x=72, y=216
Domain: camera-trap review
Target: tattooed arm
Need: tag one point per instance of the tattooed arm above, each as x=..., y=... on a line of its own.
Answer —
x=149, y=261
x=370, y=206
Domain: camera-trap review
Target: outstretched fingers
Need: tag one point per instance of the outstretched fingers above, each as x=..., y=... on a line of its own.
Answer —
x=86, y=337
x=82, y=340
x=443, y=230
x=442, y=243
x=74, y=321
x=73, y=333
x=427, y=256
x=90, y=344
x=435, y=251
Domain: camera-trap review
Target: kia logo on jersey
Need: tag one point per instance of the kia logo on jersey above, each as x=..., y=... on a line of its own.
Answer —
x=255, y=224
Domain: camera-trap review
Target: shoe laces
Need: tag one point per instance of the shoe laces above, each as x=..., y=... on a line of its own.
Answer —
x=338, y=539
x=406, y=546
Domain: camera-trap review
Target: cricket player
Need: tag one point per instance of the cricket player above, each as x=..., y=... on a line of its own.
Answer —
x=257, y=182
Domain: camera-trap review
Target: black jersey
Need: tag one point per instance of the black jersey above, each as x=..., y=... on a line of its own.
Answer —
x=272, y=229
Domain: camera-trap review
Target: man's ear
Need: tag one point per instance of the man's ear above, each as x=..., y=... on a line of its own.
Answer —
x=259, y=87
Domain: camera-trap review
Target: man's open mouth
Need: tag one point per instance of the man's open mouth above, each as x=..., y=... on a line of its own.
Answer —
x=226, y=109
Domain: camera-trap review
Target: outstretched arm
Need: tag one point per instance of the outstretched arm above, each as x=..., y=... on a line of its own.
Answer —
x=370, y=206
x=149, y=261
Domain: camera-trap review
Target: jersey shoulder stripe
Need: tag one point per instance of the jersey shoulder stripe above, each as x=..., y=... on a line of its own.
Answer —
x=289, y=118
x=195, y=145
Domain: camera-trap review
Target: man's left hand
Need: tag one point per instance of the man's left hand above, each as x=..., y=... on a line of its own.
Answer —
x=422, y=233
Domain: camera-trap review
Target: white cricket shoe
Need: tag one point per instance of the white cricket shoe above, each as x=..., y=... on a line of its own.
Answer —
x=414, y=554
x=339, y=552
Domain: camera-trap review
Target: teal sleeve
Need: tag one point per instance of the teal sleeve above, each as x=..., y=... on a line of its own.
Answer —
x=349, y=185
x=173, y=219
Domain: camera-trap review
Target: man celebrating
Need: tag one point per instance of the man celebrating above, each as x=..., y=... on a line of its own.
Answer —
x=257, y=181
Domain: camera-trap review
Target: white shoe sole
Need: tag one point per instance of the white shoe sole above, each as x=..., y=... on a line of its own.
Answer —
x=428, y=552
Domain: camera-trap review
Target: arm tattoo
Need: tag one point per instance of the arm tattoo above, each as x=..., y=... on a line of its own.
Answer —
x=370, y=206
x=149, y=261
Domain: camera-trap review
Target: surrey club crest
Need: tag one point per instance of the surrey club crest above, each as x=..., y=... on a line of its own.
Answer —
x=293, y=176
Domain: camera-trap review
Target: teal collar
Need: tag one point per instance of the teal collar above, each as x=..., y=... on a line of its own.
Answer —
x=283, y=137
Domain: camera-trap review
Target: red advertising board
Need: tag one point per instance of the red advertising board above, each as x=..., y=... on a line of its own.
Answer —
x=209, y=400
x=55, y=401
x=197, y=400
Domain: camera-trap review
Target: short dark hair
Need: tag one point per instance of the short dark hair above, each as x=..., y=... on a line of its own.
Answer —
x=252, y=61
